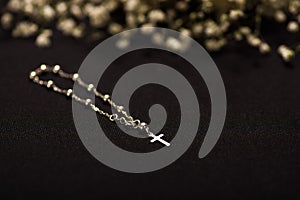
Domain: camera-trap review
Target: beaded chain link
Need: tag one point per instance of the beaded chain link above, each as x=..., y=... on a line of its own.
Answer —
x=122, y=117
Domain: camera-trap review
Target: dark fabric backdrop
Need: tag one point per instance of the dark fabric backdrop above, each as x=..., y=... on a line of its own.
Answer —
x=257, y=155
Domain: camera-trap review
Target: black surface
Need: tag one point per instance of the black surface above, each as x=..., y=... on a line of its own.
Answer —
x=257, y=155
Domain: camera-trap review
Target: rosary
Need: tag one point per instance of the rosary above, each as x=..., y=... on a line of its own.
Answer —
x=123, y=118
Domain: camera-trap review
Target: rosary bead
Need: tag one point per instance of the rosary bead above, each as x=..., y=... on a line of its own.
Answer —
x=55, y=88
x=87, y=101
x=90, y=87
x=43, y=67
x=32, y=74
x=120, y=108
x=143, y=124
x=36, y=79
x=106, y=97
x=75, y=77
x=56, y=68
x=69, y=92
x=49, y=83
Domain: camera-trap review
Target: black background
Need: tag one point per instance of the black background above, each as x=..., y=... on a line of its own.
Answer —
x=257, y=155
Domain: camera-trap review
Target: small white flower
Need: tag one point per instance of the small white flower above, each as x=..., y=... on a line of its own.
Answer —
x=156, y=16
x=280, y=16
x=48, y=12
x=25, y=29
x=61, y=8
x=235, y=14
x=264, y=48
x=14, y=5
x=173, y=43
x=42, y=41
x=6, y=20
x=131, y=5
x=286, y=53
x=293, y=27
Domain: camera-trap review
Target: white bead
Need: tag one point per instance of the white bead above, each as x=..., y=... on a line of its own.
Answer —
x=69, y=92
x=143, y=124
x=56, y=68
x=36, y=79
x=43, y=67
x=75, y=77
x=106, y=97
x=88, y=101
x=49, y=83
x=32, y=74
x=120, y=108
x=90, y=87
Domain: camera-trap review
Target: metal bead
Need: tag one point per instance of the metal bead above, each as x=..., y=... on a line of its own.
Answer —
x=90, y=87
x=120, y=108
x=56, y=68
x=43, y=67
x=69, y=92
x=106, y=97
x=87, y=101
x=32, y=74
x=75, y=77
x=55, y=89
x=143, y=124
x=36, y=79
x=49, y=83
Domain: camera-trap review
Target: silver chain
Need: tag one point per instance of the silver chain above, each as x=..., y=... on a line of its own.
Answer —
x=122, y=117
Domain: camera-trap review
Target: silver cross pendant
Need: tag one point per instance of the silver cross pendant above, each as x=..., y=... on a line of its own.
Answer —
x=159, y=139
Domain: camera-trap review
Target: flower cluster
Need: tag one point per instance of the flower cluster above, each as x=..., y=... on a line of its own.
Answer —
x=214, y=23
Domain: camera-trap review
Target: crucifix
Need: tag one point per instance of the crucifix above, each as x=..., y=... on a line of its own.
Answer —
x=159, y=139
